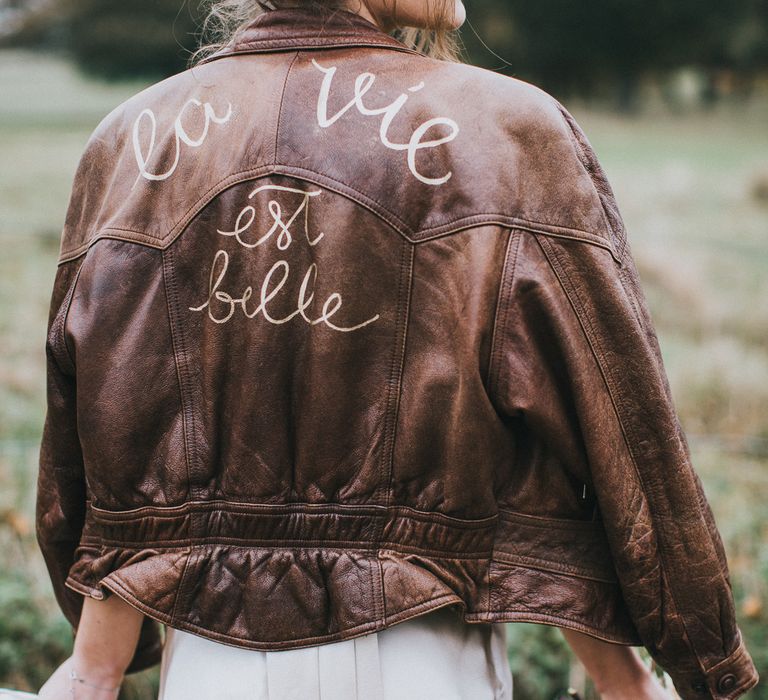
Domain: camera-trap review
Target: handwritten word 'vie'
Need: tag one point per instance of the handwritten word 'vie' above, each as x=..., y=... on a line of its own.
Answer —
x=363, y=83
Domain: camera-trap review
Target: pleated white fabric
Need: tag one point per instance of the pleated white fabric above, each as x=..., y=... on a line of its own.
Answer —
x=434, y=656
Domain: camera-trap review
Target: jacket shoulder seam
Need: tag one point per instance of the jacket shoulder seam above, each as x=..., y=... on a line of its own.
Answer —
x=593, y=170
x=374, y=206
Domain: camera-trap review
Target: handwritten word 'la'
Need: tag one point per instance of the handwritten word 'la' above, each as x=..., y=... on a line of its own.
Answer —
x=243, y=223
x=143, y=155
x=363, y=83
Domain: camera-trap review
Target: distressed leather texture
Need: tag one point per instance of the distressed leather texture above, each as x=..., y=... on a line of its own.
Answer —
x=340, y=334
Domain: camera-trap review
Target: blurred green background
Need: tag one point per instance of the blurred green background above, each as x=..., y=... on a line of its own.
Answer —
x=673, y=97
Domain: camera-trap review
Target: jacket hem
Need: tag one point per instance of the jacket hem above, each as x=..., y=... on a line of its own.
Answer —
x=111, y=584
x=488, y=617
x=349, y=633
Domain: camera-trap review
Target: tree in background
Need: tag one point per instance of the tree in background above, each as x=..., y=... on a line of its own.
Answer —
x=594, y=48
x=607, y=46
x=115, y=39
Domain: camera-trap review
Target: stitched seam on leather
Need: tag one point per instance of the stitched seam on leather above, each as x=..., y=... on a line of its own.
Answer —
x=390, y=417
x=629, y=290
x=508, y=274
x=591, y=171
x=300, y=41
x=488, y=584
x=181, y=583
x=204, y=199
x=328, y=183
x=275, y=169
x=79, y=587
x=389, y=217
x=582, y=528
x=738, y=650
x=556, y=567
x=264, y=171
x=183, y=366
x=584, y=321
x=491, y=369
x=123, y=592
x=280, y=106
x=379, y=599
x=146, y=240
x=267, y=45
x=278, y=542
x=320, y=42
x=173, y=303
x=149, y=239
x=394, y=411
x=349, y=191
x=397, y=548
x=175, y=347
x=546, y=523
x=510, y=221
x=58, y=334
x=183, y=625
x=736, y=657
x=427, y=605
x=411, y=250
x=516, y=614
x=184, y=422
x=391, y=379
x=285, y=544
x=524, y=615
x=365, y=511
x=586, y=165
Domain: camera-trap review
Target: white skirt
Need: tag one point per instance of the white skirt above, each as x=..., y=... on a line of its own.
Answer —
x=434, y=656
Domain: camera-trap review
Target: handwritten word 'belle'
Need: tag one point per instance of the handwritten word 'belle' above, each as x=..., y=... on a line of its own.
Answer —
x=144, y=155
x=363, y=83
x=269, y=288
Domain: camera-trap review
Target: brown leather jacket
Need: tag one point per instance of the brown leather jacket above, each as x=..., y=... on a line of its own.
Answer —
x=340, y=334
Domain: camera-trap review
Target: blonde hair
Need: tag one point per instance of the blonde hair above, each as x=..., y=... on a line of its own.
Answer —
x=227, y=19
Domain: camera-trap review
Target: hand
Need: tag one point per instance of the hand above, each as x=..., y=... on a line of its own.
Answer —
x=97, y=686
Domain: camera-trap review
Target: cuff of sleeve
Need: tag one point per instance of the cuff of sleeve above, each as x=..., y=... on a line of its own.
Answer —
x=726, y=680
x=149, y=649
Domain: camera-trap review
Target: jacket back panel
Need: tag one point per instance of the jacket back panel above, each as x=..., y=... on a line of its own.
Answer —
x=285, y=310
x=315, y=355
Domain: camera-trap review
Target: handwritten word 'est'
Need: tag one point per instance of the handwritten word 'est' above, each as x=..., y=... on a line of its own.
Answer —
x=143, y=155
x=363, y=83
x=243, y=224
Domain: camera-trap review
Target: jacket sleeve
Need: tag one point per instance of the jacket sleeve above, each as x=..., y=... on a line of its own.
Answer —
x=61, y=482
x=578, y=360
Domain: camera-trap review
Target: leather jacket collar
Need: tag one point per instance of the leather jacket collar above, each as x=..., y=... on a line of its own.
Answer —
x=286, y=29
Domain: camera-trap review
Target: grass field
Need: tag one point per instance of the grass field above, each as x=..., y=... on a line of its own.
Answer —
x=687, y=187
